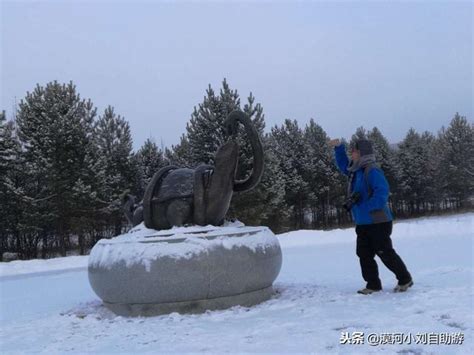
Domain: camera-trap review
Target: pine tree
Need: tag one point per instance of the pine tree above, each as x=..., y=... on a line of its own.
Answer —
x=319, y=171
x=179, y=154
x=114, y=144
x=429, y=178
x=149, y=160
x=6, y=146
x=55, y=129
x=385, y=157
x=206, y=133
x=87, y=191
x=383, y=152
x=456, y=156
x=416, y=170
x=8, y=207
x=205, y=130
x=290, y=149
x=272, y=206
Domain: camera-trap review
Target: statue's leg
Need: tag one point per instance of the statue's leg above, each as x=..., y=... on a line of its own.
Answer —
x=150, y=192
x=137, y=216
x=128, y=203
x=200, y=194
x=179, y=212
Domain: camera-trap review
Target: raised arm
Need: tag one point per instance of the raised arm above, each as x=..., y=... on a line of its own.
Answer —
x=341, y=158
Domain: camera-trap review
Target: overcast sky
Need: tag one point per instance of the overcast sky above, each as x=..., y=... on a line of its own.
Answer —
x=393, y=65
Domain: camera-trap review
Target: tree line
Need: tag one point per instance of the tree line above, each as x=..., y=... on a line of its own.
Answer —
x=65, y=169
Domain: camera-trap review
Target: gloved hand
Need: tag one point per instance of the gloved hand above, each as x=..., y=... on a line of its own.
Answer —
x=334, y=142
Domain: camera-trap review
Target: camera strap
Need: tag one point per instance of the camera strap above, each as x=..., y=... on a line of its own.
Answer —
x=366, y=177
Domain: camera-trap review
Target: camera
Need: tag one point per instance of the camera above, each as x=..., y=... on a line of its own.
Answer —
x=352, y=200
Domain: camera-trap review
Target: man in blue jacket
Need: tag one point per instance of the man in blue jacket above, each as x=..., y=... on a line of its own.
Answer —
x=367, y=197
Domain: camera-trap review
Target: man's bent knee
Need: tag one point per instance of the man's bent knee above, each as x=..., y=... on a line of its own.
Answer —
x=385, y=253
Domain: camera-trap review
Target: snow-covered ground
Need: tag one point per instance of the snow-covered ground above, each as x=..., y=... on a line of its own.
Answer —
x=48, y=306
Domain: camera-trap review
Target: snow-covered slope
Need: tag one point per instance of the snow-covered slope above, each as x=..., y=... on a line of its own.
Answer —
x=45, y=309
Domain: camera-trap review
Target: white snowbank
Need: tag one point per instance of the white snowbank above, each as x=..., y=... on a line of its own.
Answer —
x=427, y=227
x=40, y=266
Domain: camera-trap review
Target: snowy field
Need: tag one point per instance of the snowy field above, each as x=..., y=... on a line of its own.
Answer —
x=48, y=306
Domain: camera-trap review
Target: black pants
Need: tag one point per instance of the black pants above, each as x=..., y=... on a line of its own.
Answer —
x=374, y=239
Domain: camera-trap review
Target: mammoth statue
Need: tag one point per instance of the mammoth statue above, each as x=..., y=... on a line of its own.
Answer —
x=179, y=196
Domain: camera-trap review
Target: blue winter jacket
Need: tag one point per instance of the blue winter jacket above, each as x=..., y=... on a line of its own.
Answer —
x=368, y=210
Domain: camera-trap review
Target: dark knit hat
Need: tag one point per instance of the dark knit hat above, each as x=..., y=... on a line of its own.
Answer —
x=364, y=147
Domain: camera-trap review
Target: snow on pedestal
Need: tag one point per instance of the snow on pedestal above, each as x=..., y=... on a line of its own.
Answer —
x=185, y=269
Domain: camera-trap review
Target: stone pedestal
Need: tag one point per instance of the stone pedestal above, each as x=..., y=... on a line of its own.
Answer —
x=186, y=270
